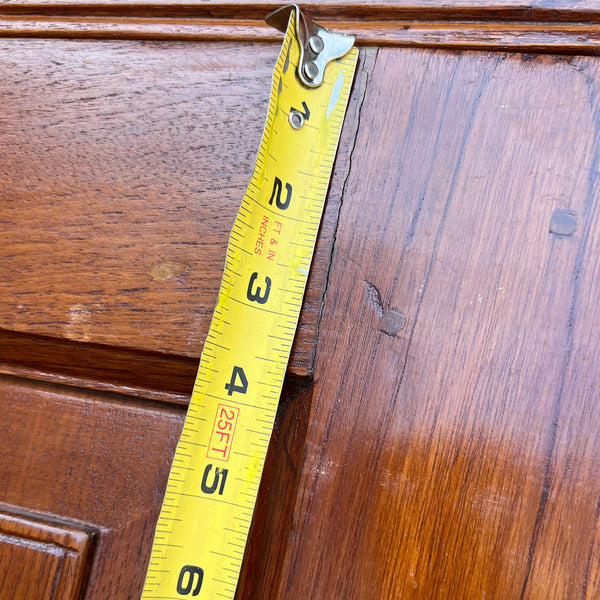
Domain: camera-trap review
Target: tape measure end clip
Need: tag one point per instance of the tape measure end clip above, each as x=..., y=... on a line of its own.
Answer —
x=318, y=45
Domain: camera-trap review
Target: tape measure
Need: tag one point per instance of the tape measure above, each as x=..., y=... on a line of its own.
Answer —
x=208, y=505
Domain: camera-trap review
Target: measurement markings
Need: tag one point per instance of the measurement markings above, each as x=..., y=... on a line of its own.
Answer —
x=254, y=485
x=248, y=450
x=187, y=430
x=236, y=402
x=234, y=559
x=278, y=213
x=295, y=304
x=197, y=444
x=239, y=534
x=329, y=155
x=240, y=220
x=267, y=359
x=184, y=453
x=211, y=499
x=222, y=580
x=238, y=453
x=273, y=312
x=262, y=446
x=176, y=479
x=286, y=327
x=165, y=597
x=268, y=384
x=220, y=346
x=237, y=544
x=233, y=245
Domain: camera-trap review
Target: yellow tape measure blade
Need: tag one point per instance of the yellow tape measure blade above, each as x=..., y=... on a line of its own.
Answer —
x=207, y=510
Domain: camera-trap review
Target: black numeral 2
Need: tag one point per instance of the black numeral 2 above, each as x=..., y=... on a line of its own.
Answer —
x=276, y=194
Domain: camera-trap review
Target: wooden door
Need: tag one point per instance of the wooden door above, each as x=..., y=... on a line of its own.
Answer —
x=437, y=434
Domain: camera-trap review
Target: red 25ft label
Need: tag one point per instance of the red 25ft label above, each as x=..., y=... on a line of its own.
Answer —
x=223, y=431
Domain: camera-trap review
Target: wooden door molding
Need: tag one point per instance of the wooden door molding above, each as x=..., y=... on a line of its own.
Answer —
x=126, y=371
x=95, y=462
x=42, y=558
x=504, y=26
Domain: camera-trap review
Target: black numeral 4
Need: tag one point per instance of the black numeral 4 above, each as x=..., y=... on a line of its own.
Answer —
x=232, y=386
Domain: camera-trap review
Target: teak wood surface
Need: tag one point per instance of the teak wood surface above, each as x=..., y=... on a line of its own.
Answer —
x=437, y=436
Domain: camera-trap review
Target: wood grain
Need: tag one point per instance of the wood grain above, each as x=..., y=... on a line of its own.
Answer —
x=150, y=375
x=41, y=559
x=118, y=169
x=557, y=31
x=99, y=460
x=82, y=476
x=272, y=521
x=552, y=9
x=447, y=446
x=456, y=458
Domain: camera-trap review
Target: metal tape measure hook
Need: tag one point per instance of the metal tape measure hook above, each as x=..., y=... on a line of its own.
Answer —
x=318, y=45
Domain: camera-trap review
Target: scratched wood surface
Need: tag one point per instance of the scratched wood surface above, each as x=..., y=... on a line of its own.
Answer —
x=453, y=439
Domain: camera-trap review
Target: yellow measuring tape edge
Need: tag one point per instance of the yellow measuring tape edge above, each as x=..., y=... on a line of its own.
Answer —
x=208, y=505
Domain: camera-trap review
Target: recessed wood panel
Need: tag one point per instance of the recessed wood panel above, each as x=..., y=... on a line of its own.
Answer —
x=41, y=559
x=124, y=164
x=117, y=165
x=99, y=460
